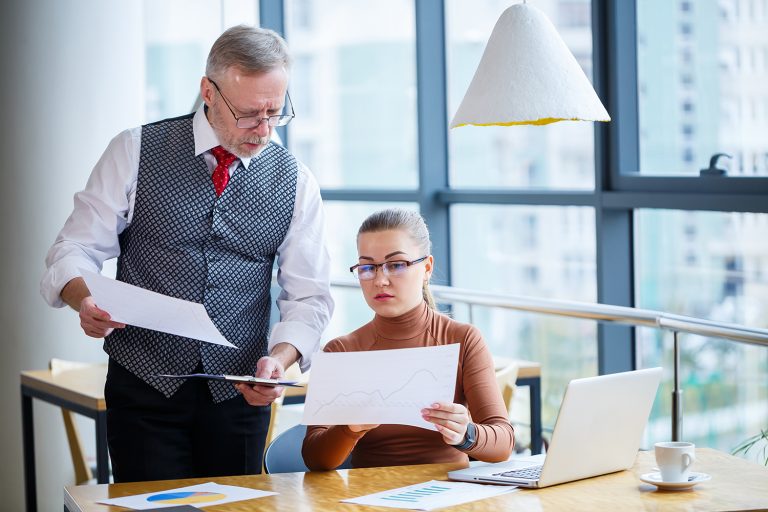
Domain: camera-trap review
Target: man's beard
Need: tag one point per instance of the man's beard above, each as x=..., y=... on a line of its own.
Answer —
x=234, y=145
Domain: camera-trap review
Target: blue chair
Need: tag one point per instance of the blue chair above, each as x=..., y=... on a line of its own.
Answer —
x=283, y=455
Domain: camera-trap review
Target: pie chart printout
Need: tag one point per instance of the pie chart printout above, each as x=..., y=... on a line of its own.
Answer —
x=200, y=495
x=185, y=497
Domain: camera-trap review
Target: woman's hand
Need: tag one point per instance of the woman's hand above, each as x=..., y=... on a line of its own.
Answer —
x=450, y=419
x=362, y=428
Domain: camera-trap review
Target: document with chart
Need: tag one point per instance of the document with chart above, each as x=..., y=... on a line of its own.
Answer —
x=381, y=386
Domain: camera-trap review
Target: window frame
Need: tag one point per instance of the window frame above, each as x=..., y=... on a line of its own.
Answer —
x=619, y=190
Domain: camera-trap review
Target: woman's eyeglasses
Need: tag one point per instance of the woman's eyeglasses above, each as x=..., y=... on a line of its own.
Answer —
x=394, y=268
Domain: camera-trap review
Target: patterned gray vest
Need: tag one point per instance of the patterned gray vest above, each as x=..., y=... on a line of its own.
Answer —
x=185, y=242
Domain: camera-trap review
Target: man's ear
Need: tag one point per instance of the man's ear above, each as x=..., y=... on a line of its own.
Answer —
x=206, y=91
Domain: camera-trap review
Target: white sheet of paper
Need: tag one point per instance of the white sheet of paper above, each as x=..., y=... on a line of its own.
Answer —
x=144, y=308
x=201, y=495
x=380, y=386
x=431, y=495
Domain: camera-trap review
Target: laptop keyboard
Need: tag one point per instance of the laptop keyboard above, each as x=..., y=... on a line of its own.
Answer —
x=532, y=473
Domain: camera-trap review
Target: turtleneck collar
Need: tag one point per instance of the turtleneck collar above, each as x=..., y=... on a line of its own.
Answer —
x=406, y=326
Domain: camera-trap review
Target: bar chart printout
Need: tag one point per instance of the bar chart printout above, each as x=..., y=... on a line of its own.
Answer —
x=431, y=495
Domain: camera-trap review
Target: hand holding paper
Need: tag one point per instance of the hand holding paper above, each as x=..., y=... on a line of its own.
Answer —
x=96, y=322
x=144, y=308
x=381, y=386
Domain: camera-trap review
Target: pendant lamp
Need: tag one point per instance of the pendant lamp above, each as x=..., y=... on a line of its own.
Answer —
x=527, y=75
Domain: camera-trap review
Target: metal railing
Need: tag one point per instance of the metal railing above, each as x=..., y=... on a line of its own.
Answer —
x=604, y=313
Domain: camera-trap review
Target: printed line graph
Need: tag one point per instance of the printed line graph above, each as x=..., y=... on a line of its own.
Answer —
x=376, y=397
x=383, y=386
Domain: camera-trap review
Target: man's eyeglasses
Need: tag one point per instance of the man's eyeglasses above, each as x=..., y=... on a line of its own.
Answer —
x=254, y=121
x=394, y=268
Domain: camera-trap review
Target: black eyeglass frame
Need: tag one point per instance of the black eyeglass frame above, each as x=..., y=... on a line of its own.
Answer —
x=272, y=121
x=377, y=266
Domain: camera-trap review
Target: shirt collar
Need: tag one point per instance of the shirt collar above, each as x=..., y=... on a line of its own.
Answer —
x=205, y=138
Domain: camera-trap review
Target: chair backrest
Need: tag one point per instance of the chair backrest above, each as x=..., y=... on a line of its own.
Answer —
x=506, y=378
x=283, y=455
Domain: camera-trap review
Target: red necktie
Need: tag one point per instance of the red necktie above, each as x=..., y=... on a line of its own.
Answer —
x=220, y=174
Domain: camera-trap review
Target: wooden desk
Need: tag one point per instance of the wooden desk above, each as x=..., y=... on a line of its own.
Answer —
x=735, y=485
x=80, y=390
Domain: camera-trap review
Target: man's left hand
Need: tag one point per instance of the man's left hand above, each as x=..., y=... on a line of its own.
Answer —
x=267, y=368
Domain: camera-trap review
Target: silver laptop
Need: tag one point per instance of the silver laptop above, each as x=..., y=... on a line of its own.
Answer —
x=598, y=431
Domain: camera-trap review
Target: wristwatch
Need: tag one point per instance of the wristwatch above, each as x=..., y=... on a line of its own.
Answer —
x=470, y=438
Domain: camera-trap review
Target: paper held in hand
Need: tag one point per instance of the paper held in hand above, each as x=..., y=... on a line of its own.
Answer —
x=144, y=308
x=380, y=386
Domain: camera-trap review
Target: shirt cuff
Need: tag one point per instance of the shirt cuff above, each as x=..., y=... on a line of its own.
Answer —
x=300, y=335
x=54, y=280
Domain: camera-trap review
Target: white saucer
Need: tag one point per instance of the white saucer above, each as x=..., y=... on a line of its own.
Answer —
x=693, y=479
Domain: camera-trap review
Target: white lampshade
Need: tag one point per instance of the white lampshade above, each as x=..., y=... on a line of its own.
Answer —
x=527, y=76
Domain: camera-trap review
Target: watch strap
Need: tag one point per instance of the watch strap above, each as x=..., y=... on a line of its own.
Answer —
x=470, y=438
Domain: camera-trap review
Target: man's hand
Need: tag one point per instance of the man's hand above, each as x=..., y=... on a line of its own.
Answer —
x=266, y=368
x=272, y=366
x=96, y=322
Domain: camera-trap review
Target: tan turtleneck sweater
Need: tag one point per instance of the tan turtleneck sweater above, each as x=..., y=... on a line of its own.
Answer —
x=326, y=447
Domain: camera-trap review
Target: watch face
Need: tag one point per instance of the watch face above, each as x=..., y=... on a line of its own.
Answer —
x=471, y=434
x=469, y=437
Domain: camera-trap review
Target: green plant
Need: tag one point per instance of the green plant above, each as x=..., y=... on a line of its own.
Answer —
x=758, y=439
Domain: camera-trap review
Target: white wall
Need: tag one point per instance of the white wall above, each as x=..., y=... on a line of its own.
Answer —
x=73, y=78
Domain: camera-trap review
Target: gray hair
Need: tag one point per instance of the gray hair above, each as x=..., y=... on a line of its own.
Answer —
x=251, y=49
x=403, y=220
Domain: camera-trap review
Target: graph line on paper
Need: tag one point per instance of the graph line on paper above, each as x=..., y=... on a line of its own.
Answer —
x=383, y=399
x=380, y=387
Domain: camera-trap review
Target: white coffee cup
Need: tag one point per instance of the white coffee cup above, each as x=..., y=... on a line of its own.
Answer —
x=674, y=459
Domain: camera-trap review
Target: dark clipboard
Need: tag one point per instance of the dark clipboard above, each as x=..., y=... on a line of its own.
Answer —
x=246, y=379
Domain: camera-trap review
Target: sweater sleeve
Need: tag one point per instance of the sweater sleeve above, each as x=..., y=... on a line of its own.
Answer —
x=495, y=435
x=326, y=447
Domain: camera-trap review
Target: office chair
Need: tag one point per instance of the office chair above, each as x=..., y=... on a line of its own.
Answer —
x=283, y=455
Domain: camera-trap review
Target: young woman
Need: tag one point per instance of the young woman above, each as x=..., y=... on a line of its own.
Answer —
x=394, y=267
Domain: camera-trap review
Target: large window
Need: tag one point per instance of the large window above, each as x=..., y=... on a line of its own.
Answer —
x=702, y=70
x=178, y=35
x=538, y=251
x=608, y=212
x=710, y=265
x=354, y=84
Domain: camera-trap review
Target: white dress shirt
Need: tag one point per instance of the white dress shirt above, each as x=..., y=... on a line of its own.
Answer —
x=105, y=208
